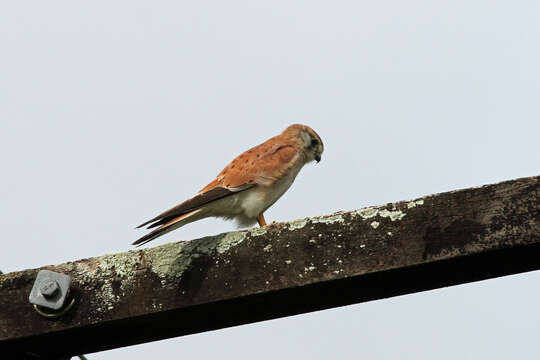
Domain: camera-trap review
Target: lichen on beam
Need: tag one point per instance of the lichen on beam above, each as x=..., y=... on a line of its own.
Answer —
x=282, y=269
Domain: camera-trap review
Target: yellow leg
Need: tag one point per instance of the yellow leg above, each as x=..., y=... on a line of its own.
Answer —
x=261, y=220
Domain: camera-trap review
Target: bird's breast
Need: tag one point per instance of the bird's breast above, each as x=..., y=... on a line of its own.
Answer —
x=260, y=198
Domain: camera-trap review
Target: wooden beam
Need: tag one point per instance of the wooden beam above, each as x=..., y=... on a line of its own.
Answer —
x=283, y=269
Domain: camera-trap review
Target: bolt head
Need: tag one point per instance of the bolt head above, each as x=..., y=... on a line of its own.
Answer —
x=48, y=287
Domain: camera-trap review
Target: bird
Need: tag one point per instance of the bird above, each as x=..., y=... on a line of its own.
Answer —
x=248, y=186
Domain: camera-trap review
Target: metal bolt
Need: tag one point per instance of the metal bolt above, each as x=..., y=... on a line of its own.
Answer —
x=50, y=290
x=48, y=287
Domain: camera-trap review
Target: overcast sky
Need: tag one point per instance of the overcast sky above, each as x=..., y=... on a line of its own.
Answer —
x=112, y=111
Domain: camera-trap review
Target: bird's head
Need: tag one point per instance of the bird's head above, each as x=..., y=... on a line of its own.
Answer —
x=310, y=141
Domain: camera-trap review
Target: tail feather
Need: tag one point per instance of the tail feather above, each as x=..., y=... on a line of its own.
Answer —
x=170, y=225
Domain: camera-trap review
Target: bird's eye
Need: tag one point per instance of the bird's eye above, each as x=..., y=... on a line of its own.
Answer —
x=314, y=142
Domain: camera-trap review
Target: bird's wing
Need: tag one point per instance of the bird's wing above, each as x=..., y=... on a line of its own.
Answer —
x=276, y=164
x=202, y=198
x=185, y=212
x=261, y=165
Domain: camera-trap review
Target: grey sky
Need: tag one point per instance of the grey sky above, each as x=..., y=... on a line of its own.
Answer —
x=113, y=111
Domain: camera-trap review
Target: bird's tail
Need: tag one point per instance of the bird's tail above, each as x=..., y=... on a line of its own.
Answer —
x=170, y=225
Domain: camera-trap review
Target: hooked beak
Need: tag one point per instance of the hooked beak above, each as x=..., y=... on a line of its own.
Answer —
x=317, y=158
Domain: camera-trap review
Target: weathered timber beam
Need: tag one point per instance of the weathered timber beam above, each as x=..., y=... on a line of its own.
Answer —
x=283, y=269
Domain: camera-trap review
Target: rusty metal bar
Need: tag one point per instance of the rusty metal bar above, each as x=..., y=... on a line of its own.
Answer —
x=280, y=270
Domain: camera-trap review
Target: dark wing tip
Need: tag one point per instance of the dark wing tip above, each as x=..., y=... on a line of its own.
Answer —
x=139, y=242
x=146, y=223
x=146, y=238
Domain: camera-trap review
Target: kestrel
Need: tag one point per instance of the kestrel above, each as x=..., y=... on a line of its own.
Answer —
x=248, y=186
